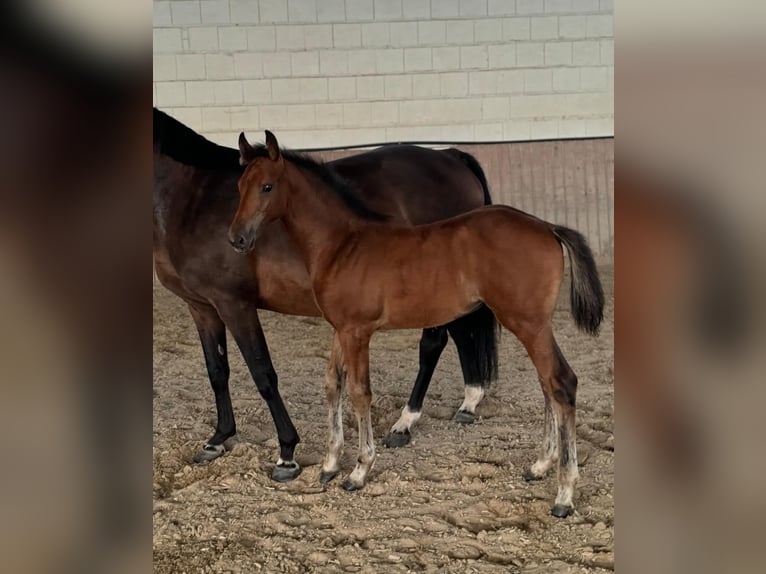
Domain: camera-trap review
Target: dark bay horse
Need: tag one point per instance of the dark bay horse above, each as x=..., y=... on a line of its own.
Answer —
x=368, y=273
x=195, y=198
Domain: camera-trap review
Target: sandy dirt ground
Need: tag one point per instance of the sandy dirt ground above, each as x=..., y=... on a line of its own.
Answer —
x=451, y=501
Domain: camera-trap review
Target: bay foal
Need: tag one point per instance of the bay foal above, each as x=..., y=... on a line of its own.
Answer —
x=368, y=274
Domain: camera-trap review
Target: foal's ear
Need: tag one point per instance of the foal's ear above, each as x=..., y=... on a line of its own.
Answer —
x=245, y=149
x=272, y=146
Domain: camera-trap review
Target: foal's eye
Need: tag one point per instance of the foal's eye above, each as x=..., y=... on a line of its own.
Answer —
x=266, y=187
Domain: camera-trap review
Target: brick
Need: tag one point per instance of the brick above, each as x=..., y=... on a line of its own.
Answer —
x=473, y=57
x=385, y=113
x=191, y=117
x=544, y=28
x=244, y=118
x=162, y=15
x=416, y=9
x=232, y=38
x=342, y=88
x=333, y=62
x=290, y=38
x=558, y=53
x=502, y=56
x=375, y=35
x=248, y=65
x=501, y=7
x=431, y=33
x=261, y=38
x=301, y=116
x=370, y=87
x=516, y=29
x=318, y=36
x=313, y=89
x=361, y=61
x=186, y=13
x=214, y=11
x=163, y=67
x=487, y=132
x=446, y=58
x=459, y=32
x=215, y=119
x=203, y=39
x=538, y=105
x=426, y=86
x=388, y=9
x=219, y=66
x=581, y=6
x=597, y=127
x=473, y=8
x=359, y=10
x=304, y=63
x=244, y=11
x=228, y=92
x=558, y=6
x=496, y=108
x=403, y=34
x=167, y=40
x=571, y=128
x=302, y=10
x=357, y=114
x=454, y=84
x=488, y=30
x=607, y=52
x=273, y=11
x=510, y=81
x=171, y=94
x=589, y=104
x=586, y=53
x=606, y=5
x=200, y=93
x=331, y=11
x=529, y=7
x=572, y=27
x=276, y=65
x=414, y=112
x=516, y=130
x=273, y=117
x=547, y=129
x=346, y=35
x=190, y=66
x=256, y=91
x=594, y=79
x=445, y=9
x=329, y=115
x=599, y=26
x=538, y=81
x=530, y=54
x=398, y=87
x=480, y=83
x=417, y=59
x=389, y=61
x=566, y=79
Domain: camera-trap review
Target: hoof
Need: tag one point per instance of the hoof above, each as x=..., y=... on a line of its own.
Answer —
x=285, y=472
x=325, y=477
x=209, y=452
x=396, y=439
x=561, y=511
x=464, y=418
x=529, y=476
x=350, y=486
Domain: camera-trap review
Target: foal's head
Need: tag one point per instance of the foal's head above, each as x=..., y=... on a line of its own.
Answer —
x=258, y=204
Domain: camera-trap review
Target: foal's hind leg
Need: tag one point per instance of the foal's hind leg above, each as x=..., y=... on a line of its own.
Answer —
x=334, y=382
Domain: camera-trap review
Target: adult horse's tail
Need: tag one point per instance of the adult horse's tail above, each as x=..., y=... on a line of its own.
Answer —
x=475, y=167
x=586, y=294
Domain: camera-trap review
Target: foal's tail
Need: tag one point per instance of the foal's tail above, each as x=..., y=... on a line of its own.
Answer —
x=586, y=294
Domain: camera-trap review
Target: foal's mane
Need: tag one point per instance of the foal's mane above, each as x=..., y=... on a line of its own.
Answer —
x=186, y=146
x=343, y=188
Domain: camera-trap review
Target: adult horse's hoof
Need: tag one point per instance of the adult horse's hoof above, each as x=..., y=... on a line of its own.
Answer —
x=561, y=510
x=464, y=417
x=529, y=476
x=326, y=476
x=285, y=472
x=396, y=439
x=209, y=452
x=350, y=486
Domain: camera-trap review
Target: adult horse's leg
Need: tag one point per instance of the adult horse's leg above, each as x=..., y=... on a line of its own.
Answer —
x=334, y=381
x=242, y=321
x=356, y=353
x=432, y=343
x=212, y=334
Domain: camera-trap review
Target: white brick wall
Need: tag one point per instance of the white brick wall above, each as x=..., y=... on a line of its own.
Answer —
x=341, y=72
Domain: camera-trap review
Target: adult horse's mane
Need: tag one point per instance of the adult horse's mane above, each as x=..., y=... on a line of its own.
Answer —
x=186, y=146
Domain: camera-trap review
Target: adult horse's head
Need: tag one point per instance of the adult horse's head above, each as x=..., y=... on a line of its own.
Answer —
x=258, y=202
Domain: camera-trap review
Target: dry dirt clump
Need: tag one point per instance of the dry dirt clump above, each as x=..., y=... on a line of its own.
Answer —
x=451, y=501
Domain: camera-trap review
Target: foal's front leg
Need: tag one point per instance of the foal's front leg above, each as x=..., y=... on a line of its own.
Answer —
x=334, y=381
